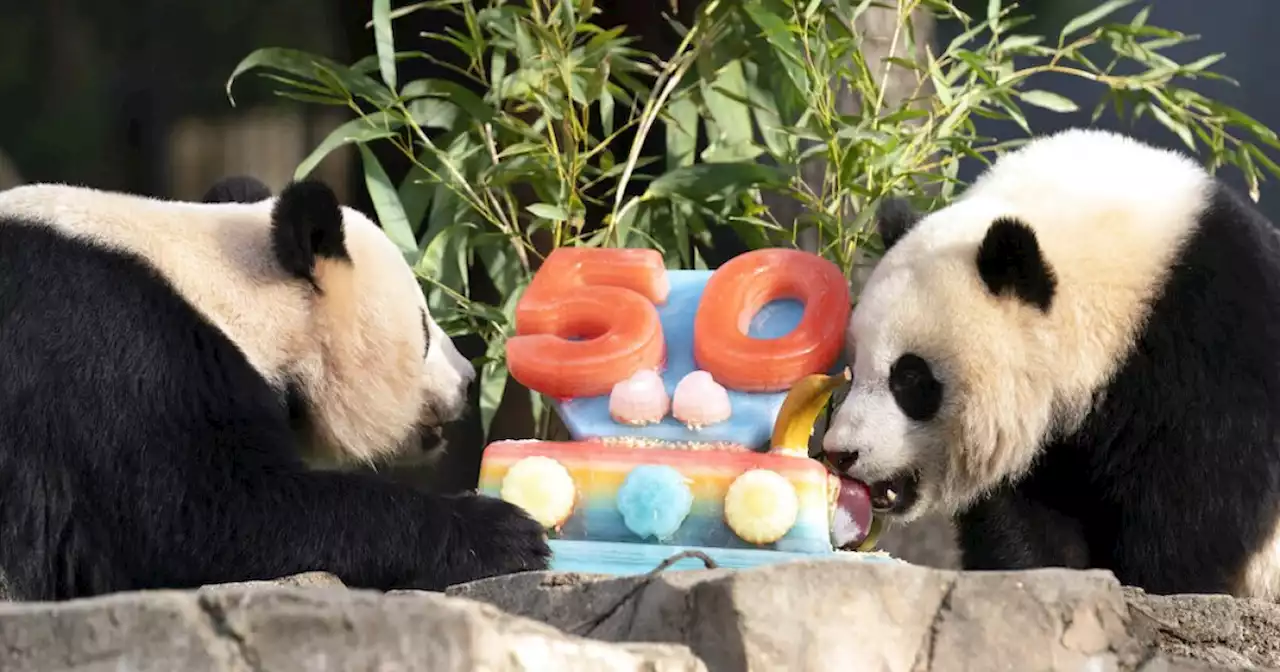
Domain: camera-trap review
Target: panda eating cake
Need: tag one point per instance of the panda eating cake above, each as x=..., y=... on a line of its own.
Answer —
x=1080, y=357
x=690, y=397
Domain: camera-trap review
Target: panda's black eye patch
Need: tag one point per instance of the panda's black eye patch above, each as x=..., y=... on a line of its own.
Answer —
x=426, y=335
x=914, y=388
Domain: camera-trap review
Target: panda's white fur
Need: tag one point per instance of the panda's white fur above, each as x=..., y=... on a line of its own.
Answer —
x=356, y=353
x=1111, y=217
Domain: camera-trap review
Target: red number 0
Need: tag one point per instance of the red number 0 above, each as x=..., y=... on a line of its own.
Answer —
x=605, y=297
x=749, y=282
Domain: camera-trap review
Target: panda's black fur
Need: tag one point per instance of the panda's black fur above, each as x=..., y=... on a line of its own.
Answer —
x=237, y=189
x=139, y=448
x=1170, y=478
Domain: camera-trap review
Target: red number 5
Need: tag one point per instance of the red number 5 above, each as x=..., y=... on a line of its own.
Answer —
x=603, y=296
x=606, y=297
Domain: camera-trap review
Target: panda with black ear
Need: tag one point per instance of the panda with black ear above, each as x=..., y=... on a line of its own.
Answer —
x=166, y=366
x=1080, y=359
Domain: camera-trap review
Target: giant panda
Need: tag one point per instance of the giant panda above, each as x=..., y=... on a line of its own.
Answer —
x=166, y=368
x=1079, y=359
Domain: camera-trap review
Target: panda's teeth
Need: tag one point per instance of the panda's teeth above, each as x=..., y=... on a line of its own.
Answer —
x=883, y=496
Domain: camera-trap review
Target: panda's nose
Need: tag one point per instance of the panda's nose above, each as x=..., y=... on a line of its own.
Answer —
x=843, y=460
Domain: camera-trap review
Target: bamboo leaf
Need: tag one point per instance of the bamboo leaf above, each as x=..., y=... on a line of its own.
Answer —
x=682, y=131
x=1048, y=100
x=548, y=211
x=455, y=93
x=386, y=202
x=704, y=180
x=361, y=130
x=1180, y=129
x=493, y=385
x=311, y=67
x=1091, y=17
x=384, y=41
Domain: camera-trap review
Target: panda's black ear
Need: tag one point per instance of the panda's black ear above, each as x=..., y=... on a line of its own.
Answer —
x=894, y=218
x=237, y=189
x=1009, y=260
x=306, y=225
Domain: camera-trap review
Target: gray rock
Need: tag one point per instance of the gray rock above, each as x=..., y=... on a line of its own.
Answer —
x=304, y=580
x=1215, y=629
x=820, y=615
x=295, y=628
x=815, y=615
x=1161, y=663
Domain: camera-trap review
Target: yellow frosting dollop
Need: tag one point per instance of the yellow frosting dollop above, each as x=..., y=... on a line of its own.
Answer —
x=542, y=487
x=761, y=506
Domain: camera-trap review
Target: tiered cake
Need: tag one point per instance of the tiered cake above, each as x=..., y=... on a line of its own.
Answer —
x=672, y=385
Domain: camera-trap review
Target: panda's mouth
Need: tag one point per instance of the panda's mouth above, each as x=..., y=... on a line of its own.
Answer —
x=896, y=495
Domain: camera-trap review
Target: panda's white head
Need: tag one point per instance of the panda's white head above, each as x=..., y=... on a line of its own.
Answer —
x=375, y=368
x=990, y=325
x=316, y=296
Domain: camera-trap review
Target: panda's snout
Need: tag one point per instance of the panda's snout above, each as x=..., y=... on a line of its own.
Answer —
x=842, y=461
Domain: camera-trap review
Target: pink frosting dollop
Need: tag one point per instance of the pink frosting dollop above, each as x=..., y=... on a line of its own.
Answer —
x=639, y=400
x=699, y=401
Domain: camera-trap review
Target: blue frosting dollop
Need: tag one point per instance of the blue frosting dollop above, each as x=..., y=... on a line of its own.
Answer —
x=654, y=500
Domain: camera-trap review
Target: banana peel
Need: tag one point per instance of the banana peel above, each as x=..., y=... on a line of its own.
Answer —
x=794, y=425
x=873, y=535
x=799, y=412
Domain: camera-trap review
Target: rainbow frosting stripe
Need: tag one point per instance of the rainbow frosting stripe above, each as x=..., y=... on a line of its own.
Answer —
x=599, y=471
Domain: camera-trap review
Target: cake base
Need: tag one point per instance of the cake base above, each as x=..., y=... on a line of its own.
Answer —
x=626, y=558
x=598, y=471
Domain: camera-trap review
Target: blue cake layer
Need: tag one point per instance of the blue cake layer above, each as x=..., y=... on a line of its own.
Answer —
x=624, y=559
x=751, y=423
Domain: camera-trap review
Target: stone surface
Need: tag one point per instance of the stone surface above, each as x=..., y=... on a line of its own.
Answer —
x=823, y=615
x=798, y=616
x=1215, y=629
x=283, y=628
x=304, y=580
x=827, y=615
x=1162, y=663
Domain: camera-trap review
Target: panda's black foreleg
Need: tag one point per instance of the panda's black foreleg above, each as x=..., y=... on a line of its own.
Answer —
x=240, y=524
x=46, y=552
x=1008, y=530
x=370, y=533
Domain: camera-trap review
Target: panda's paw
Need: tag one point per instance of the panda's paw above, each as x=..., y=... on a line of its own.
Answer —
x=491, y=537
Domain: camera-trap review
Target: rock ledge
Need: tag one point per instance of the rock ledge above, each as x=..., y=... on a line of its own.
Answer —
x=812, y=615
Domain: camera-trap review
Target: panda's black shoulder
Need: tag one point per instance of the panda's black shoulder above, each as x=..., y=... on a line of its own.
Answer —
x=237, y=189
x=113, y=383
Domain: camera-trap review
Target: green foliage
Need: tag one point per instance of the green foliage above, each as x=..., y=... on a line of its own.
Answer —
x=761, y=81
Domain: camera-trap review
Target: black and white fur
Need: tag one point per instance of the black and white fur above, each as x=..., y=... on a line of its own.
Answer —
x=1081, y=359
x=164, y=369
